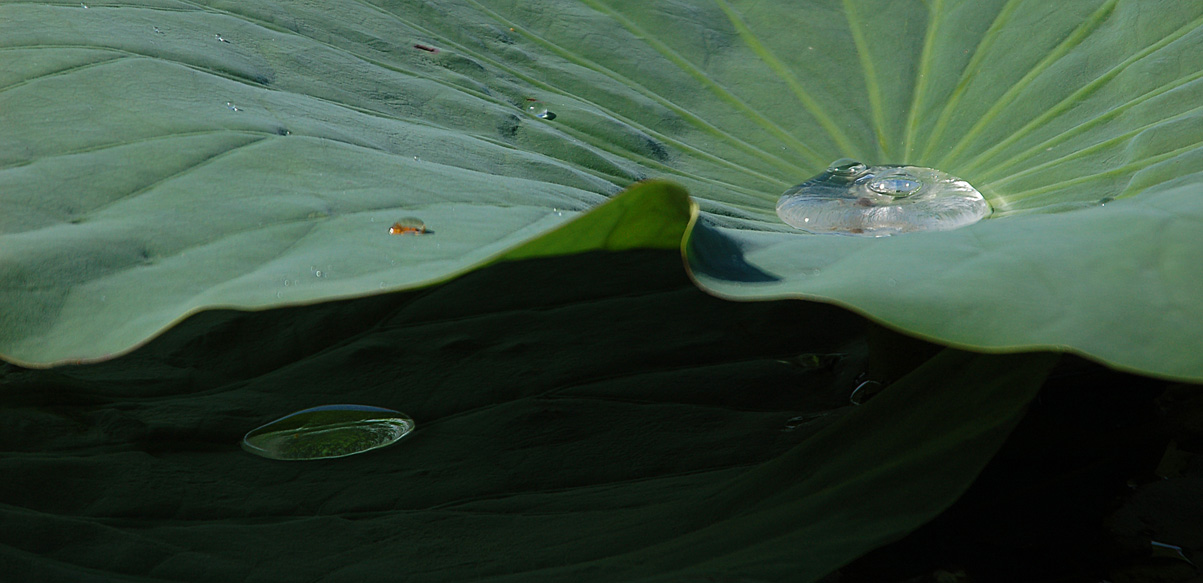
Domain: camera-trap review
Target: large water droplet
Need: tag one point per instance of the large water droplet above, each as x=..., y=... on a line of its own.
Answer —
x=328, y=432
x=851, y=197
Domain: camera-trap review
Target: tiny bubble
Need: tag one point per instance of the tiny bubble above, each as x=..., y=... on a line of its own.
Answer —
x=318, y=273
x=417, y=159
x=892, y=282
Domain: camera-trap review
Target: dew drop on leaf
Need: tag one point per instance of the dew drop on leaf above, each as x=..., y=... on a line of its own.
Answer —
x=329, y=431
x=851, y=197
x=539, y=110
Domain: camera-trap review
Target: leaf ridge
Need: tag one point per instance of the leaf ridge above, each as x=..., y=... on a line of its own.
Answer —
x=871, y=85
x=1083, y=127
x=719, y=91
x=921, y=83
x=1073, y=40
x=685, y=114
x=1096, y=147
x=1082, y=92
x=795, y=85
x=968, y=73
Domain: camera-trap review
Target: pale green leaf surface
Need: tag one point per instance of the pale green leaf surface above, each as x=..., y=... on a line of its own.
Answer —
x=133, y=194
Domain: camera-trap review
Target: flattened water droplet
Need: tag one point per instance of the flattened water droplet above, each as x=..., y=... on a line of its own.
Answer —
x=328, y=432
x=851, y=197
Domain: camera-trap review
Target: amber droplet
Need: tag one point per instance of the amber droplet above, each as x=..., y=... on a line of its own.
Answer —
x=409, y=226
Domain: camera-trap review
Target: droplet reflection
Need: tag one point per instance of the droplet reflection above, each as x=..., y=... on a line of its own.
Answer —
x=330, y=431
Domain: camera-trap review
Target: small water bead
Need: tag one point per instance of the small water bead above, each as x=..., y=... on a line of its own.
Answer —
x=539, y=110
x=330, y=431
x=847, y=167
x=851, y=197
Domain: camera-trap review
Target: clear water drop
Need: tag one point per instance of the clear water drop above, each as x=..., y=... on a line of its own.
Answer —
x=847, y=167
x=853, y=198
x=329, y=431
x=865, y=391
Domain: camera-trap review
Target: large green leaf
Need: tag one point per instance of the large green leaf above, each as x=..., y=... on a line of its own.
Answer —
x=589, y=418
x=160, y=157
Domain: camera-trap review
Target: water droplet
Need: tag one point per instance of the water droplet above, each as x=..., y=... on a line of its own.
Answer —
x=865, y=391
x=795, y=422
x=328, y=432
x=417, y=159
x=409, y=226
x=539, y=110
x=851, y=197
x=847, y=167
x=1168, y=551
